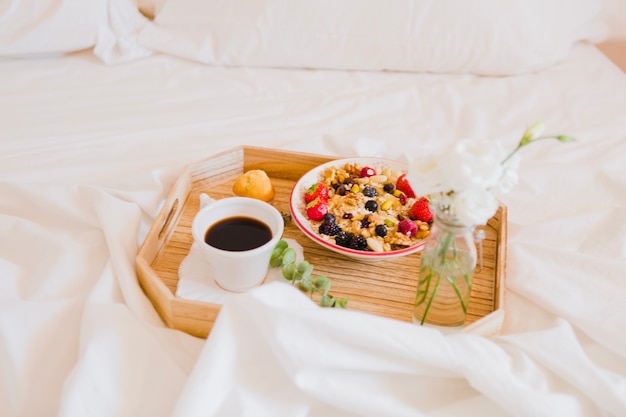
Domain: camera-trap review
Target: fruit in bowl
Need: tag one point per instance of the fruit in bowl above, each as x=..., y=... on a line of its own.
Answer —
x=361, y=207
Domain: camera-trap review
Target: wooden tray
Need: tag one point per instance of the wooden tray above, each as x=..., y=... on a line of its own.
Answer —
x=385, y=288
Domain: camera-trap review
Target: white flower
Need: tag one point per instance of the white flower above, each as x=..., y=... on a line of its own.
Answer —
x=460, y=181
x=474, y=206
x=533, y=132
x=473, y=163
x=426, y=177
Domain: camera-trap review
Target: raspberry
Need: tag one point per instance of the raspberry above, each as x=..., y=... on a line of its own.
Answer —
x=367, y=172
x=407, y=227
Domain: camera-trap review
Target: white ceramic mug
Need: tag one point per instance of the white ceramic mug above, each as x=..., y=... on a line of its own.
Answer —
x=239, y=270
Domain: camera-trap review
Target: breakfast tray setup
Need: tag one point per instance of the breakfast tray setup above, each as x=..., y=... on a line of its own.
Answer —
x=385, y=288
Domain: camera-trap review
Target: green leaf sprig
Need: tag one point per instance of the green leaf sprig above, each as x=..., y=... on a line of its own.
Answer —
x=301, y=274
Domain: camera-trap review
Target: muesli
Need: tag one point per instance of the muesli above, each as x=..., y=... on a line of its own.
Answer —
x=367, y=209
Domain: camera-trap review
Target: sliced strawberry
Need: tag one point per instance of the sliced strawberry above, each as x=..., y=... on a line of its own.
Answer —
x=316, y=209
x=317, y=190
x=403, y=185
x=421, y=211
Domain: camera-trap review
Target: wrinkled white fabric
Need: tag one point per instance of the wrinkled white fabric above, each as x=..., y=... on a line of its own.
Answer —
x=33, y=27
x=490, y=37
x=88, y=152
x=42, y=28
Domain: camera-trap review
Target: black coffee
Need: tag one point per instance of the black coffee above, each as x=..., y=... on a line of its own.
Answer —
x=237, y=234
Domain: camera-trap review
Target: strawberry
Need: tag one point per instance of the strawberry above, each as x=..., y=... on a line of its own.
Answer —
x=317, y=190
x=420, y=210
x=316, y=209
x=403, y=185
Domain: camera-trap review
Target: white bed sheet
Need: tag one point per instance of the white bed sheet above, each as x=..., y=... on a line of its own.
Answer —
x=88, y=152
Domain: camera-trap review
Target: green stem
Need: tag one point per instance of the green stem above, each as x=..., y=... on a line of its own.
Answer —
x=427, y=280
x=443, y=249
x=459, y=296
x=432, y=298
x=522, y=144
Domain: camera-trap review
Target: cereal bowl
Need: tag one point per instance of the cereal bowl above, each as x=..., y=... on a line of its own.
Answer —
x=350, y=211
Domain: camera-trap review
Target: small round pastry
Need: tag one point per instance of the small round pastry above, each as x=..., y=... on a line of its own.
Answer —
x=256, y=184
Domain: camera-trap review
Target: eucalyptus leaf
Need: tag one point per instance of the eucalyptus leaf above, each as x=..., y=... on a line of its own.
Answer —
x=289, y=256
x=327, y=301
x=289, y=271
x=306, y=284
x=301, y=274
x=276, y=259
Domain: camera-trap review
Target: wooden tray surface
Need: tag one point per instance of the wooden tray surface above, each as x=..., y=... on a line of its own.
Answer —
x=386, y=288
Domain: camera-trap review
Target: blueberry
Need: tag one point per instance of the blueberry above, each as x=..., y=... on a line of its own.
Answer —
x=329, y=217
x=371, y=205
x=389, y=188
x=369, y=191
x=381, y=230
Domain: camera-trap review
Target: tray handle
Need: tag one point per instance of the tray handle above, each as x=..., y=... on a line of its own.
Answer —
x=168, y=218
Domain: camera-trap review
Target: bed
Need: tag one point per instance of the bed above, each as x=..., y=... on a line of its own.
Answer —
x=102, y=107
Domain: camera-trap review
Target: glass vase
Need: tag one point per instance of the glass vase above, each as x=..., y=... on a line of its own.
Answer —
x=446, y=271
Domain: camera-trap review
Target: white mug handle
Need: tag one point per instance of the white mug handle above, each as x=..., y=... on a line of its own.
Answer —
x=205, y=200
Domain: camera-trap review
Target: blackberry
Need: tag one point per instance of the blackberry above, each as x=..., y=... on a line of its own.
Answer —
x=381, y=230
x=389, y=188
x=329, y=228
x=369, y=191
x=358, y=242
x=343, y=238
x=371, y=205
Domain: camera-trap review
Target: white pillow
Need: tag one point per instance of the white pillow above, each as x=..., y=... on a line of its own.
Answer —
x=494, y=37
x=49, y=26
